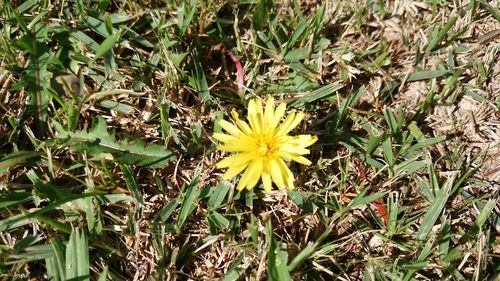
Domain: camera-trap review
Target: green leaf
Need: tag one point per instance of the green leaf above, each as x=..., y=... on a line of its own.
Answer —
x=177, y=58
x=13, y=222
x=415, y=130
x=33, y=253
x=388, y=153
x=55, y=224
x=183, y=20
x=131, y=182
x=308, y=250
x=101, y=144
x=107, y=44
x=434, y=211
x=363, y=156
x=77, y=256
x=341, y=115
x=253, y=229
x=26, y=5
x=295, y=55
x=188, y=203
x=391, y=121
x=217, y=222
x=277, y=258
x=56, y=265
x=361, y=199
x=25, y=218
x=49, y=190
x=52, y=271
x=87, y=40
x=373, y=142
x=27, y=242
x=14, y=198
x=317, y=94
x=490, y=9
x=119, y=18
x=426, y=142
x=303, y=202
x=296, y=35
x=426, y=75
x=166, y=212
x=409, y=167
x=261, y=14
x=425, y=189
x=17, y=158
x=435, y=40
x=392, y=217
x=199, y=79
x=486, y=212
x=117, y=106
x=235, y=271
x=96, y=25
x=220, y=192
x=104, y=274
x=134, y=36
x=164, y=121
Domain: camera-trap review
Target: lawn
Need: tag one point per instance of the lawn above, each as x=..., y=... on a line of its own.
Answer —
x=116, y=115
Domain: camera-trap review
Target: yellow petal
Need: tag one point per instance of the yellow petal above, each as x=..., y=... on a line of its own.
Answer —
x=269, y=114
x=251, y=107
x=255, y=175
x=286, y=123
x=249, y=175
x=276, y=174
x=294, y=150
x=251, y=113
x=288, y=126
x=301, y=160
x=266, y=181
x=255, y=115
x=230, y=128
x=280, y=140
x=241, y=143
x=306, y=140
x=278, y=114
x=244, y=178
x=233, y=171
x=231, y=148
x=289, y=183
x=241, y=124
x=265, y=167
x=235, y=160
x=224, y=137
x=289, y=178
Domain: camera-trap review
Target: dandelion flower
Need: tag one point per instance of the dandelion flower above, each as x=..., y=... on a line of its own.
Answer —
x=262, y=147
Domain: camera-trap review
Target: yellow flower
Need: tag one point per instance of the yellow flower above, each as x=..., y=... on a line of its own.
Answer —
x=262, y=146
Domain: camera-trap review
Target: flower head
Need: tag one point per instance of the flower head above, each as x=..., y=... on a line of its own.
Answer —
x=262, y=146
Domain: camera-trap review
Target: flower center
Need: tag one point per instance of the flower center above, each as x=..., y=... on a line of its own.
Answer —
x=265, y=147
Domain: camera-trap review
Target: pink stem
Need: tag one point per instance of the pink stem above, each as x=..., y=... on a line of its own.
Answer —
x=240, y=71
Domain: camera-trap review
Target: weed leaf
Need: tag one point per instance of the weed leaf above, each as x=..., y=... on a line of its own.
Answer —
x=100, y=143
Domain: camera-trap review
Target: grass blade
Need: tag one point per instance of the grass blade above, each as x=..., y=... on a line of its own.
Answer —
x=317, y=94
x=188, y=203
x=18, y=158
x=277, y=258
x=200, y=81
x=434, y=42
x=434, y=211
x=77, y=256
x=107, y=44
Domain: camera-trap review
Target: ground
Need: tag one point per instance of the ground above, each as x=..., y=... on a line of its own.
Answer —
x=107, y=155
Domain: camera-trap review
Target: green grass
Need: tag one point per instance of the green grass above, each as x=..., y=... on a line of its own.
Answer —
x=107, y=164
